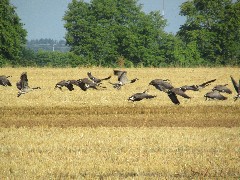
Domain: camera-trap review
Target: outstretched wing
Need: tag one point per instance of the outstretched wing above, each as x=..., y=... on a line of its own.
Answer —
x=207, y=83
x=23, y=80
x=91, y=76
x=180, y=92
x=123, y=77
x=236, y=86
x=106, y=78
x=173, y=97
x=239, y=88
x=118, y=73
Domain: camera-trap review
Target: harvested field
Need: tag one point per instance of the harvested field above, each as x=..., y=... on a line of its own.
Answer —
x=98, y=134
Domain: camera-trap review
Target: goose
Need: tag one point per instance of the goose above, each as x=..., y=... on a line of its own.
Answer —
x=86, y=83
x=222, y=88
x=97, y=80
x=236, y=87
x=215, y=95
x=140, y=96
x=64, y=83
x=22, y=85
x=197, y=87
x=5, y=81
x=122, y=79
x=161, y=84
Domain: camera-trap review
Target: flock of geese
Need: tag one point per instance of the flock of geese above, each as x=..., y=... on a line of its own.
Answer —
x=163, y=85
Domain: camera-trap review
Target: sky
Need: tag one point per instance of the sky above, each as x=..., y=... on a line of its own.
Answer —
x=43, y=18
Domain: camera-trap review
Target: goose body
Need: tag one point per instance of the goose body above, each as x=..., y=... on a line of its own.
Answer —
x=222, y=88
x=161, y=84
x=122, y=79
x=64, y=83
x=22, y=85
x=86, y=83
x=191, y=88
x=215, y=95
x=140, y=96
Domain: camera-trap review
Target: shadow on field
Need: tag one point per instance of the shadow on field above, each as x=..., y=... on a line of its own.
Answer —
x=98, y=116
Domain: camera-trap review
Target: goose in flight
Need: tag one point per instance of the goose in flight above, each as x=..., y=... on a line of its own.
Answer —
x=197, y=87
x=22, y=85
x=215, y=95
x=236, y=87
x=161, y=84
x=140, y=96
x=97, y=80
x=122, y=79
x=86, y=83
x=165, y=86
x=64, y=83
x=4, y=81
x=222, y=88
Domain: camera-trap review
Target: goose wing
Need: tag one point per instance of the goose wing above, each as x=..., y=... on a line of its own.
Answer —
x=180, y=92
x=118, y=72
x=91, y=76
x=23, y=80
x=207, y=83
x=106, y=78
x=173, y=97
x=123, y=77
x=236, y=86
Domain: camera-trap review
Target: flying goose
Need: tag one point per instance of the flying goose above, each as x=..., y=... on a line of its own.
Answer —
x=5, y=81
x=161, y=84
x=64, y=83
x=236, y=87
x=86, y=83
x=222, y=88
x=215, y=95
x=122, y=79
x=197, y=87
x=97, y=80
x=22, y=85
x=140, y=96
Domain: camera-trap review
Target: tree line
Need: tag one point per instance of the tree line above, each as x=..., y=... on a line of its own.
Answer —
x=113, y=33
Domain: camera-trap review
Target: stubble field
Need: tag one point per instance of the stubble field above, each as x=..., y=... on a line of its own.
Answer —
x=50, y=133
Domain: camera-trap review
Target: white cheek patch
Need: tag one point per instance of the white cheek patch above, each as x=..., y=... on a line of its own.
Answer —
x=132, y=98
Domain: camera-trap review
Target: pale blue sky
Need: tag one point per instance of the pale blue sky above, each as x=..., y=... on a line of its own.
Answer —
x=43, y=18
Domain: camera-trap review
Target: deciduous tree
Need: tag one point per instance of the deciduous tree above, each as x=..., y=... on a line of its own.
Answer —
x=12, y=33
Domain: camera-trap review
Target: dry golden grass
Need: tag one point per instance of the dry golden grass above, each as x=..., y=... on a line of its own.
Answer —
x=119, y=153
x=49, y=134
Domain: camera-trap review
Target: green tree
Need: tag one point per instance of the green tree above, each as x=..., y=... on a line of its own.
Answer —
x=214, y=27
x=105, y=30
x=12, y=34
